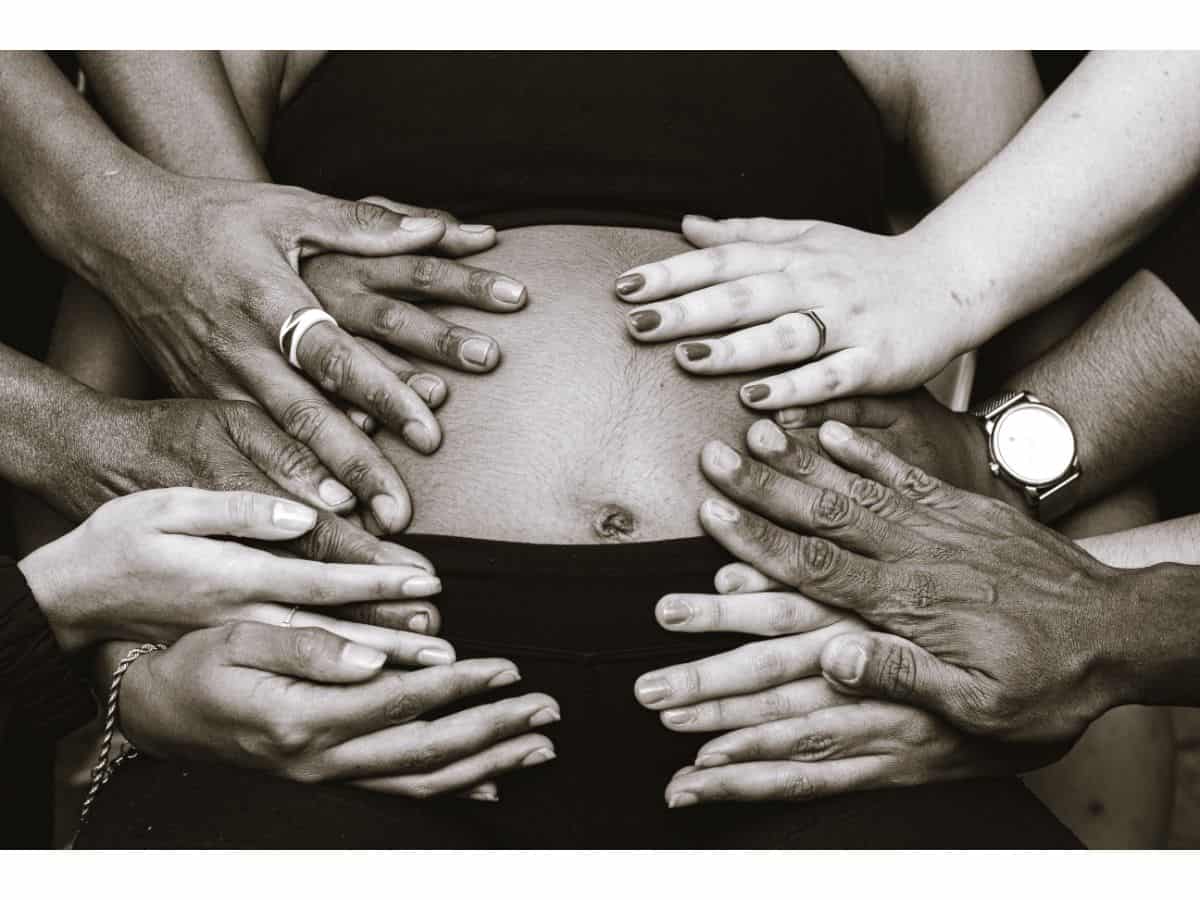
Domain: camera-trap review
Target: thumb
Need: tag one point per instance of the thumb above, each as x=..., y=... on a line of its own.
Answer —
x=311, y=654
x=705, y=232
x=241, y=514
x=366, y=229
x=888, y=667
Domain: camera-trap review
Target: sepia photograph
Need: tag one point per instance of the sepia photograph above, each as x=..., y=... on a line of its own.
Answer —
x=599, y=449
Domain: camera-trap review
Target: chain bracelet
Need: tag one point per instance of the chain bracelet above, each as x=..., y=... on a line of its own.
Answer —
x=103, y=769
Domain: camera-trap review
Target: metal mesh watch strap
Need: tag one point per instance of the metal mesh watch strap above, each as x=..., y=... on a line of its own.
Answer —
x=992, y=404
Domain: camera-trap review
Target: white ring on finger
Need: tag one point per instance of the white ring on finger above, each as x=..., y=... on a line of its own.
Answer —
x=295, y=326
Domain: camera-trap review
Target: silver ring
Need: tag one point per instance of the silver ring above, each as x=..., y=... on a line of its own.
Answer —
x=295, y=326
x=816, y=320
x=287, y=620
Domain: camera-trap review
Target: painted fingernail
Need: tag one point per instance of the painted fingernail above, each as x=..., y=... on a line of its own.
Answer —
x=292, y=516
x=419, y=223
x=630, y=284
x=721, y=510
x=645, y=320
x=361, y=657
x=419, y=623
x=836, y=432
x=678, y=716
x=435, y=656
x=683, y=798
x=538, y=756
x=485, y=795
x=711, y=760
x=768, y=436
x=847, y=662
x=386, y=510
x=792, y=418
x=723, y=458
x=333, y=492
x=756, y=393
x=476, y=229
x=419, y=437
x=696, y=350
x=421, y=586
x=476, y=351
x=652, y=690
x=505, y=290
x=505, y=678
x=544, y=716
x=675, y=611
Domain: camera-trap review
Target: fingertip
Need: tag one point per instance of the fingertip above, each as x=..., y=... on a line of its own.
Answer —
x=715, y=511
x=844, y=660
x=422, y=437
x=421, y=586
x=392, y=514
x=792, y=417
x=335, y=495
x=291, y=517
x=430, y=388
x=766, y=436
x=695, y=356
x=835, y=434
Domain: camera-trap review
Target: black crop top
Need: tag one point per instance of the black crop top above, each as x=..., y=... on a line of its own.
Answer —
x=590, y=138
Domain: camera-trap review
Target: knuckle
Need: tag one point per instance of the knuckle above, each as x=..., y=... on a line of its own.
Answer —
x=421, y=789
x=769, y=665
x=692, y=680
x=813, y=558
x=355, y=475
x=796, y=786
x=286, y=735
x=898, y=671
x=803, y=460
x=333, y=367
x=450, y=339
x=306, y=647
x=812, y=746
x=916, y=483
x=402, y=707
x=831, y=510
x=867, y=493
x=429, y=272
x=774, y=704
x=304, y=419
x=425, y=755
x=390, y=318
x=783, y=616
x=292, y=460
x=239, y=509
x=479, y=284
x=365, y=215
x=237, y=638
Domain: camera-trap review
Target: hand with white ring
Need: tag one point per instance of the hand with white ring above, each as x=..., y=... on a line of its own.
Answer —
x=843, y=312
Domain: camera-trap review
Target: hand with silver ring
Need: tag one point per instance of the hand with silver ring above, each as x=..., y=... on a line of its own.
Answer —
x=852, y=312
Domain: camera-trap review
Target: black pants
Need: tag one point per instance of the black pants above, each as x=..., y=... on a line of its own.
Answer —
x=578, y=622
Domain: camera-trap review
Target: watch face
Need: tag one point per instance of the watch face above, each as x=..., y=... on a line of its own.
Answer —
x=1034, y=444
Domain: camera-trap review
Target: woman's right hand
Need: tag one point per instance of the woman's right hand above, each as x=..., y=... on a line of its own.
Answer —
x=304, y=704
x=144, y=568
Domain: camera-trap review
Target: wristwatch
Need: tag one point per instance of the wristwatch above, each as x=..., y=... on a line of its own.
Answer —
x=1032, y=447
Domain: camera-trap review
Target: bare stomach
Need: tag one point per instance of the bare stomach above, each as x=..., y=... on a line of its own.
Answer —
x=580, y=435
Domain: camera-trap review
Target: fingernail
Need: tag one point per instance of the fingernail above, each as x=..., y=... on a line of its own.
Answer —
x=723, y=458
x=768, y=436
x=696, y=350
x=476, y=351
x=387, y=554
x=847, y=662
x=363, y=657
x=651, y=690
x=730, y=583
x=698, y=218
x=476, y=229
x=544, y=716
x=419, y=223
x=361, y=420
x=421, y=586
x=755, y=393
x=712, y=760
x=435, y=656
x=677, y=716
x=720, y=510
x=644, y=320
x=428, y=387
x=791, y=418
x=419, y=437
x=836, y=432
x=629, y=284
x=386, y=510
x=505, y=290
x=333, y=492
x=538, y=756
x=505, y=678
x=675, y=801
x=485, y=795
x=293, y=516
x=419, y=623
x=675, y=612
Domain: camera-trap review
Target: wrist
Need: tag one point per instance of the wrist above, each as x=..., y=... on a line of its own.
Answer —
x=46, y=572
x=978, y=478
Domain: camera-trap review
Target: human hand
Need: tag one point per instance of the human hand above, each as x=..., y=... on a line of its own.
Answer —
x=304, y=704
x=948, y=445
x=892, y=319
x=144, y=568
x=998, y=624
x=803, y=739
x=212, y=273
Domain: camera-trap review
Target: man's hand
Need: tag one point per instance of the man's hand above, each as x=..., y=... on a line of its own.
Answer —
x=1000, y=625
x=948, y=445
x=793, y=736
x=307, y=705
x=212, y=272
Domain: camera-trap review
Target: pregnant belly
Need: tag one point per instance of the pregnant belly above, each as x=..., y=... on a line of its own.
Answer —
x=580, y=435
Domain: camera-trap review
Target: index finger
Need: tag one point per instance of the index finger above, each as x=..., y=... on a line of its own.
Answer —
x=458, y=239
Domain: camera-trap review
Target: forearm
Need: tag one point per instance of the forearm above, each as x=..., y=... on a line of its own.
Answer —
x=1059, y=201
x=178, y=109
x=1128, y=381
